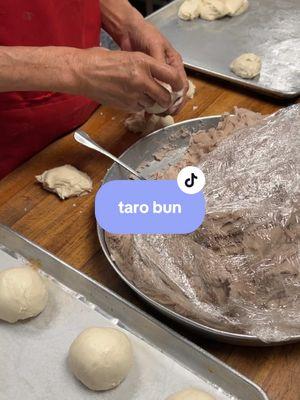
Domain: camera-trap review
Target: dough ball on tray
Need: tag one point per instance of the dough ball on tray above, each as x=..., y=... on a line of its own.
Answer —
x=101, y=358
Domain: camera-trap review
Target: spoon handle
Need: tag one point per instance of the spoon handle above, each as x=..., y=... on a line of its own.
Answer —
x=83, y=138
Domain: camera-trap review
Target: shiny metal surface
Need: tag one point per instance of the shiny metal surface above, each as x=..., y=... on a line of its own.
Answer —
x=83, y=138
x=142, y=152
x=269, y=28
x=188, y=356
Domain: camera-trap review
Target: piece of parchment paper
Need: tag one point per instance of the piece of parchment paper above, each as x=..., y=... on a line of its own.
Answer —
x=33, y=355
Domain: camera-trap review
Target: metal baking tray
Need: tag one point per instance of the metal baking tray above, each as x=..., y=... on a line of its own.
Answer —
x=141, y=153
x=269, y=28
x=33, y=352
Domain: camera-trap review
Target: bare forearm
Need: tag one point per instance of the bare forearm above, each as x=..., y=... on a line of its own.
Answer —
x=37, y=68
x=117, y=16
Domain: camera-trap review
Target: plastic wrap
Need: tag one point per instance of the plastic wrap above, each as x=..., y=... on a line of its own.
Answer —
x=240, y=271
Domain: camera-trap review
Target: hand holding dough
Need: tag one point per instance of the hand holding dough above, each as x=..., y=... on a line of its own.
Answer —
x=101, y=358
x=247, y=65
x=66, y=181
x=176, y=99
x=23, y=294
x=191, y=394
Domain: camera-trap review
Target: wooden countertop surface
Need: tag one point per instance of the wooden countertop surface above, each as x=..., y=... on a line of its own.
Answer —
x=67, y=228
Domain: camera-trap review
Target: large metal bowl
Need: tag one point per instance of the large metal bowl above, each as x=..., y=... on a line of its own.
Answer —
x=142, y=152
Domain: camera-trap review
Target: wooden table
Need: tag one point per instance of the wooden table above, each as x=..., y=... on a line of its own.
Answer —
x=67, y=228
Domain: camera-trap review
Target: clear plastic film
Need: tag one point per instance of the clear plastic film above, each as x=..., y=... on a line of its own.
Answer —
x=240, y=271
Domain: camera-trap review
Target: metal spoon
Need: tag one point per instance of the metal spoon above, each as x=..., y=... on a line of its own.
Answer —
x=83, y=138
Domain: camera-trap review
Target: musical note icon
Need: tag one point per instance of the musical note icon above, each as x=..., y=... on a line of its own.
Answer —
x=191, y=180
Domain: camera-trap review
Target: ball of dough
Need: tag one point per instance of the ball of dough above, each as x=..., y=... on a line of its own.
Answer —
x=236, y=7
x=246, y=66
x=23, y=294
x=66, y=181
x=189, y=10
x=191, y=394
x=212, y=9
x=101, y=358
x=176, y=99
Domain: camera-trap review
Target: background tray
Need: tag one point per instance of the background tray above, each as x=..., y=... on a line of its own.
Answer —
x=269, y=28
x=142, y=153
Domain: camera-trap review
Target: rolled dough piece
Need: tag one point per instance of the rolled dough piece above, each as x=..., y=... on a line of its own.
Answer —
x=189, y=10
x=191, y=394
x=191, y=91
x=236, y=7
x=101, y=358
x=23, y=294
x=176, y=99
x=66, y=181
x=138, y=123
x=246, y=66
x=212, y=9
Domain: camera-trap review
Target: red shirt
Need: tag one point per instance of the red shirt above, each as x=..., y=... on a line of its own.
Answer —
x=29, y=121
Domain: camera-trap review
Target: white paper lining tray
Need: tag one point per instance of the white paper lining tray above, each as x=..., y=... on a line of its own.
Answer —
x=269, y=28
x=33, y=353
x=141, y=153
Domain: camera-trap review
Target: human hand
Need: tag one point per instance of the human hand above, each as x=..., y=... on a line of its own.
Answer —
x=125, y=80
x=140, y=35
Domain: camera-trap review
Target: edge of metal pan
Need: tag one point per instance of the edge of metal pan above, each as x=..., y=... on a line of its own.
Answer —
x=205, y=330
x=252, y=85
x=243, y=83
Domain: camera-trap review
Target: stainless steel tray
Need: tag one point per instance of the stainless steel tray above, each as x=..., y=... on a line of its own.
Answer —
x=33, y=352
x=142, y=153
x=270, y=28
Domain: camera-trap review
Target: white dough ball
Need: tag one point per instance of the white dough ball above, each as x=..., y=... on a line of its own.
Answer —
x=247, y=65
x=23, y=294
x=191, y=394
x=212, y=9
x=101, y=358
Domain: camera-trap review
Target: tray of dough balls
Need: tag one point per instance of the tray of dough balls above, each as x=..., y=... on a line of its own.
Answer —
x=63, y=335
x=254, y=43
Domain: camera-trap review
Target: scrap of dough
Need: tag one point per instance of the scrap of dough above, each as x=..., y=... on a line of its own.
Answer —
x=66, y=181
x=176, y=99
x=23, y=294
x=101, y=358
x=189, y=10
x=212, y=9
x=247, y=65
x=236, y=7
x=138, y=123
x=191, y=394
x=191, y=90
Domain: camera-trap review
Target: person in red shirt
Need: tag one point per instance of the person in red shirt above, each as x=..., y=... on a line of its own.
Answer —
x=53, y=73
